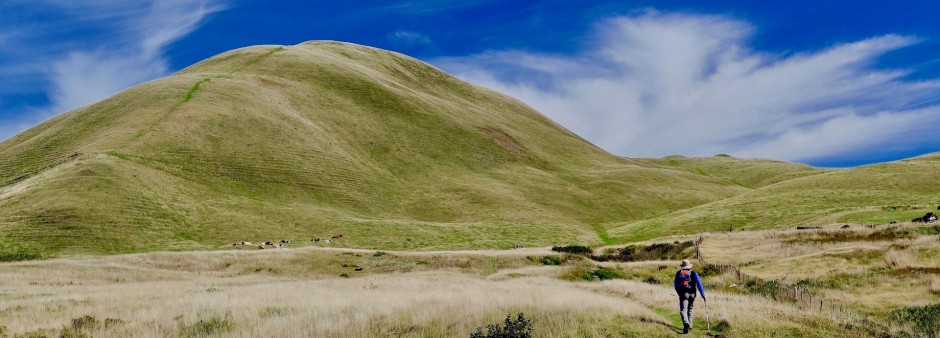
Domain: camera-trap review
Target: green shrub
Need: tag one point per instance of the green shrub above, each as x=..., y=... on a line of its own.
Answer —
x=518, y=328
x=924, y=320
x=604, y=273
x=551, y=260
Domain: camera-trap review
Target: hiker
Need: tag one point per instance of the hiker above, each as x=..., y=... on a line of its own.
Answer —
x=685, y=283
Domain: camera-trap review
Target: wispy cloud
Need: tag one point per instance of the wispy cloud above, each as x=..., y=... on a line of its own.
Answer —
x=409, y=37
x=657, y=84
x=91, y=50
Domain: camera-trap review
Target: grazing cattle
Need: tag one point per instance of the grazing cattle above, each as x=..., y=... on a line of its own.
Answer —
x=261, y=247
x=894, y=222
x=284, y=241
x=267, y=243
x=938, y=207
x=358, y=269
x=316, y=239
x=918, y=220
x=846, y=226
x=807, y=228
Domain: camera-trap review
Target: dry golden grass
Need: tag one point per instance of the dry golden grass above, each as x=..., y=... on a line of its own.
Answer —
x=298, y=293
x=866, y=271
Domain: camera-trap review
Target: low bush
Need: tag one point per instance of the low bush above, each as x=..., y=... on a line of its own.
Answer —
x=518, y=328
x=208, y=327
x=924, y=321
x=551, y=260
x=604, y=273
x=658, y=251
x=19, y=256
x=574, y=249
x=85, y=323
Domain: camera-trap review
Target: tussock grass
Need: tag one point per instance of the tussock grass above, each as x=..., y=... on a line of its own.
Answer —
x=865, y=275
x=221, y=294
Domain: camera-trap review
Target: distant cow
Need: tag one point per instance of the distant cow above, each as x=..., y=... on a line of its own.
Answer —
x=929, y=217
x=337, y=236
x=261, y=247
x=316, y=239
x=267, y=243
x=284, y=241
x=846, y=226
x=894, y=222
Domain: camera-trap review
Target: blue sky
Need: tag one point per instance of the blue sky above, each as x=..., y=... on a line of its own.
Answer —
x=830, y=83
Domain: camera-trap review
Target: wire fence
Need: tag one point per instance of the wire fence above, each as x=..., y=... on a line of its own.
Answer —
x=779, y=290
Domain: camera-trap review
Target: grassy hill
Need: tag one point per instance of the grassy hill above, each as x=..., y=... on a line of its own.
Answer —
x=325, y=138
x=321, y=138
x=747, y=173
x=870, y=194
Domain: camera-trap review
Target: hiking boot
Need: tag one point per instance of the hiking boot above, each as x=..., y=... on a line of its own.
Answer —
x=685, y=328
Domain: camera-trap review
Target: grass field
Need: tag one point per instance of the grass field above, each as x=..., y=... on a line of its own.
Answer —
x=319, y=292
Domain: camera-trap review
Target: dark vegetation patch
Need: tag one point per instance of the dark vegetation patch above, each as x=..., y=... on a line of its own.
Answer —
x=885, y=234
x=658, y=251
x=550, y=260
x=208, y=327
x=19, y=256
x=591, y=273
x=923, y=321
x=511, y=328
x=574, y=249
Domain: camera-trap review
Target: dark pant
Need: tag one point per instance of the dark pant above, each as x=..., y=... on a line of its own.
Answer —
x=686, y=301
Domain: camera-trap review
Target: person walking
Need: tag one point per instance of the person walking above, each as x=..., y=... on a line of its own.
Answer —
x=685, y=283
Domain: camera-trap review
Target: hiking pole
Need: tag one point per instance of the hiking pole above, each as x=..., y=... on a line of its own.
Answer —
x=708, y=324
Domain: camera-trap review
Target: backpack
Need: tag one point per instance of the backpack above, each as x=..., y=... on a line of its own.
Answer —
x=685, y=278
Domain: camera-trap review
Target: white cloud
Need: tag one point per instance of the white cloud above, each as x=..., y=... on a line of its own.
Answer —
x=124, y=49
x=658, y=84
x=409, y=37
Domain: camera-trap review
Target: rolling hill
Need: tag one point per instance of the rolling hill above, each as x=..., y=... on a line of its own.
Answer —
x=324, y=138
x=872, y=194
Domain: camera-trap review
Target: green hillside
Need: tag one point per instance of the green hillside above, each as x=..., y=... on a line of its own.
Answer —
x=321, y=138
x=325, y=138
x=873, y=194
x=747, y=173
